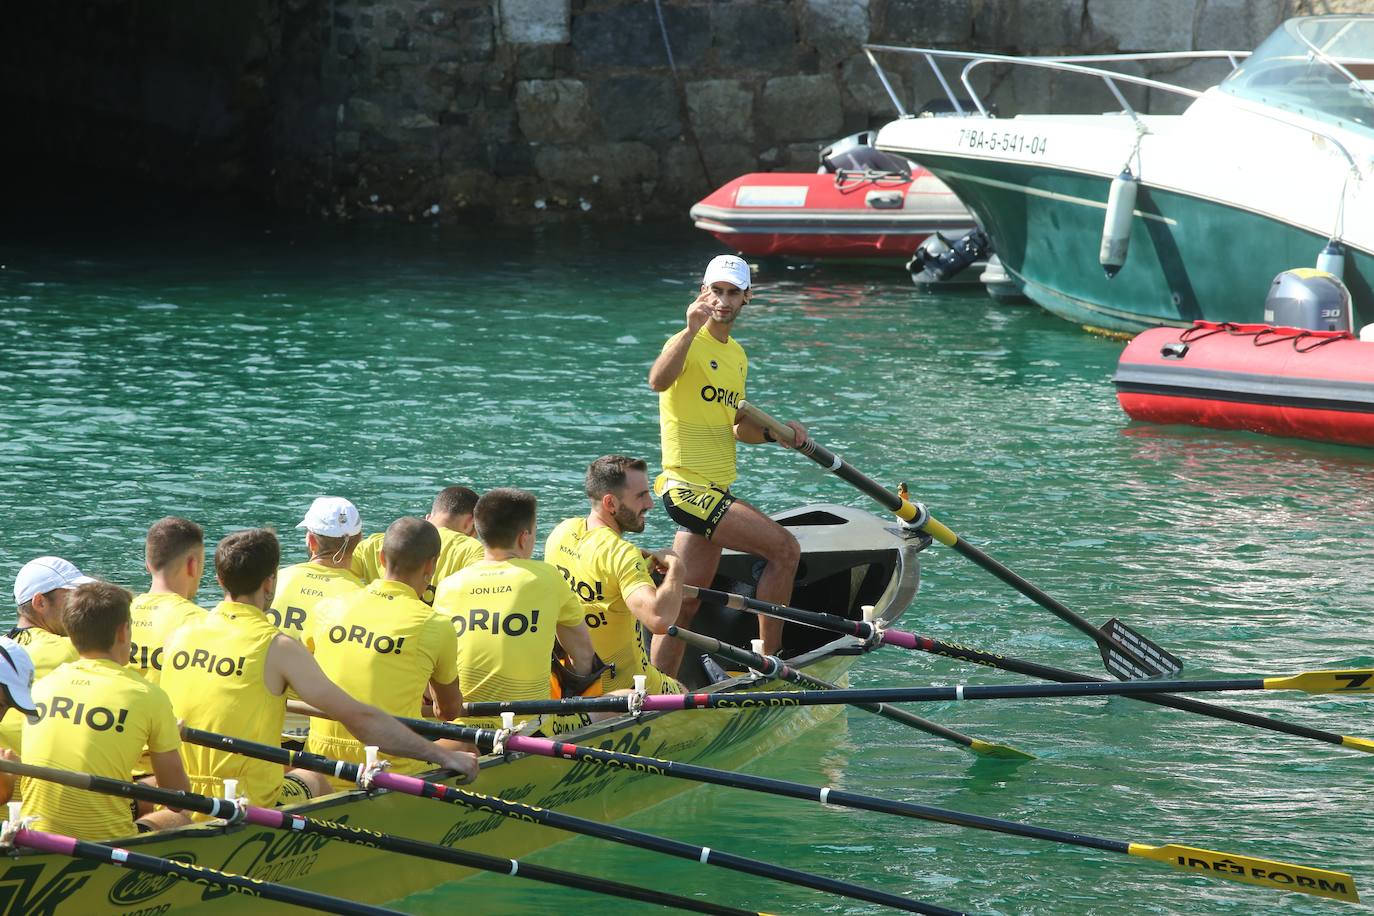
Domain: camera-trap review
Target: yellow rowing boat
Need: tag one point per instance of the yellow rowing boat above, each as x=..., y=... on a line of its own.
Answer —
x=849, y=559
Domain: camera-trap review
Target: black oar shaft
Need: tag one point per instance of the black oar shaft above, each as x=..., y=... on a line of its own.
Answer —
x=1065, y=676
x=223, y=808
x=908, y=512
x=801, y=679
x=535, y=707
x=199, y=874
x=863, y=630
x=546, y=817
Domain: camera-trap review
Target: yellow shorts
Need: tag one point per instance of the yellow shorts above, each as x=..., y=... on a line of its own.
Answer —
x=696, y=507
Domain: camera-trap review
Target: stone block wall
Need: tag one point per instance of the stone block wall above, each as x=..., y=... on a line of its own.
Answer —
x=532, y=110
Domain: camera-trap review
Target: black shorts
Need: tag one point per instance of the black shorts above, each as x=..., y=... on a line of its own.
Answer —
x=696, y=507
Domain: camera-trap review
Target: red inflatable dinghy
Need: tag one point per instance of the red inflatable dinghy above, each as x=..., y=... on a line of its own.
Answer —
x=1276, y=380
x=863, y=203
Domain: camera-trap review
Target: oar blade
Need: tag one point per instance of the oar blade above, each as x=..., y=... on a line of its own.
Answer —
x=1152, y=659
x=999, y=751
x=1347, y=680
x=1283, y=876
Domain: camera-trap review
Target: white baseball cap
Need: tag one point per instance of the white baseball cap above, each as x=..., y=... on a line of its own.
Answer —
x=16, y=675
x=729, y=268
x=45, y=574
x=332, y=517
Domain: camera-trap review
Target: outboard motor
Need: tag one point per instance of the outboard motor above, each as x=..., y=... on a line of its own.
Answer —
x=1307, y=298
x=856, y=153
x=938, y=259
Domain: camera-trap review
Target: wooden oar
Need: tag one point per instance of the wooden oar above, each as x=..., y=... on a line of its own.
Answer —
x=411, y=785
x=18, y=835
x=1283, y=876
x=1126, y=653
x=275, y=818
x=864, y=630
x=772, y=666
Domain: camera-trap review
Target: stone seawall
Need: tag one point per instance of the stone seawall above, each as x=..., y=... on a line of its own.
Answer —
x=528, y=110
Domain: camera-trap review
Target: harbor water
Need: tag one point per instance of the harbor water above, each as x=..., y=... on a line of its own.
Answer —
x=233, y=374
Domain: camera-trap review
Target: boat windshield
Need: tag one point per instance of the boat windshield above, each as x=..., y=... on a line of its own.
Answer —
x=1321, y=67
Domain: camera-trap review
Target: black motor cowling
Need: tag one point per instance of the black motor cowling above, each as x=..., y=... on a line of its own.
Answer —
x=938, y=259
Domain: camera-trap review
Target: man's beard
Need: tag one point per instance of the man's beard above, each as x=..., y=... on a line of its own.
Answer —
x=628, y=519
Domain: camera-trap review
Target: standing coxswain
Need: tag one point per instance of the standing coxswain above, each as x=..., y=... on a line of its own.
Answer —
x=700, y=377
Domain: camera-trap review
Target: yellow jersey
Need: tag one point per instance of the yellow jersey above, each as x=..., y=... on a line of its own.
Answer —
x=46, y=651
x=214, y=670
x=155, y=615
x=95, y=716
x=382, y=645
x=603, y=569
x=300, y=588
x=505, y=614
x=696, y=414
x=456, y=551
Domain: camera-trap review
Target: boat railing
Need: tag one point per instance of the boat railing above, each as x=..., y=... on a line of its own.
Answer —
x=1077, y=63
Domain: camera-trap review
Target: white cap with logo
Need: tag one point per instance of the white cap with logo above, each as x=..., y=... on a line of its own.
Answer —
x=40, y=576
x=332, y=517
x=16, y=675
x=729, y=268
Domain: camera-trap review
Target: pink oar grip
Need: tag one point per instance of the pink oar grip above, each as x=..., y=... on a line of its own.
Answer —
x=898, y=638
x=46, y=842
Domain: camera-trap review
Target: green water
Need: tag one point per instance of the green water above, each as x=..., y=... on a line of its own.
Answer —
x=233, y=374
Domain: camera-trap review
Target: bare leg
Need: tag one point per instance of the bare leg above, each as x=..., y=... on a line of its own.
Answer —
x=317, y=783
x=163, y=819
x=699, y=558
x=748, y=530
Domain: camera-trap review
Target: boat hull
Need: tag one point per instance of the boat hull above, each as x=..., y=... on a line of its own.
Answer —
x=814, y=216
x=1281, y=382
x=1189, y=259
x=887, y=575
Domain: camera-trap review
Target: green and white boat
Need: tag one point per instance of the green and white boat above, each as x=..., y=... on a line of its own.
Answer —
x=1258, y=174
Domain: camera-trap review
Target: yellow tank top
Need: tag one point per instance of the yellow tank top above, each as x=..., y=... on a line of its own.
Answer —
x=382, y=645
x=155, y=616
x=95, y=717
x=300, y=588
x=506, y=613
x=213, y=669
x=456, y=551
x=603, y=569
x=696, y=415
x=47, y=651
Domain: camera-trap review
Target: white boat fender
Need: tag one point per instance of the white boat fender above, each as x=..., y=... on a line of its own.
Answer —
x=1367, y=333
x=1332, y=259
x=1116, y=225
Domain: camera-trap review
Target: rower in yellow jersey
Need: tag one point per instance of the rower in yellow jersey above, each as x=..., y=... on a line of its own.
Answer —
x=174, y=554
x=451, y=513
x=96, y=715
x=229, y=672
x=332, y=532
x=611, y=576
x=508, y=609
x=385, y=646
x=40, y=591
x=700, y=376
